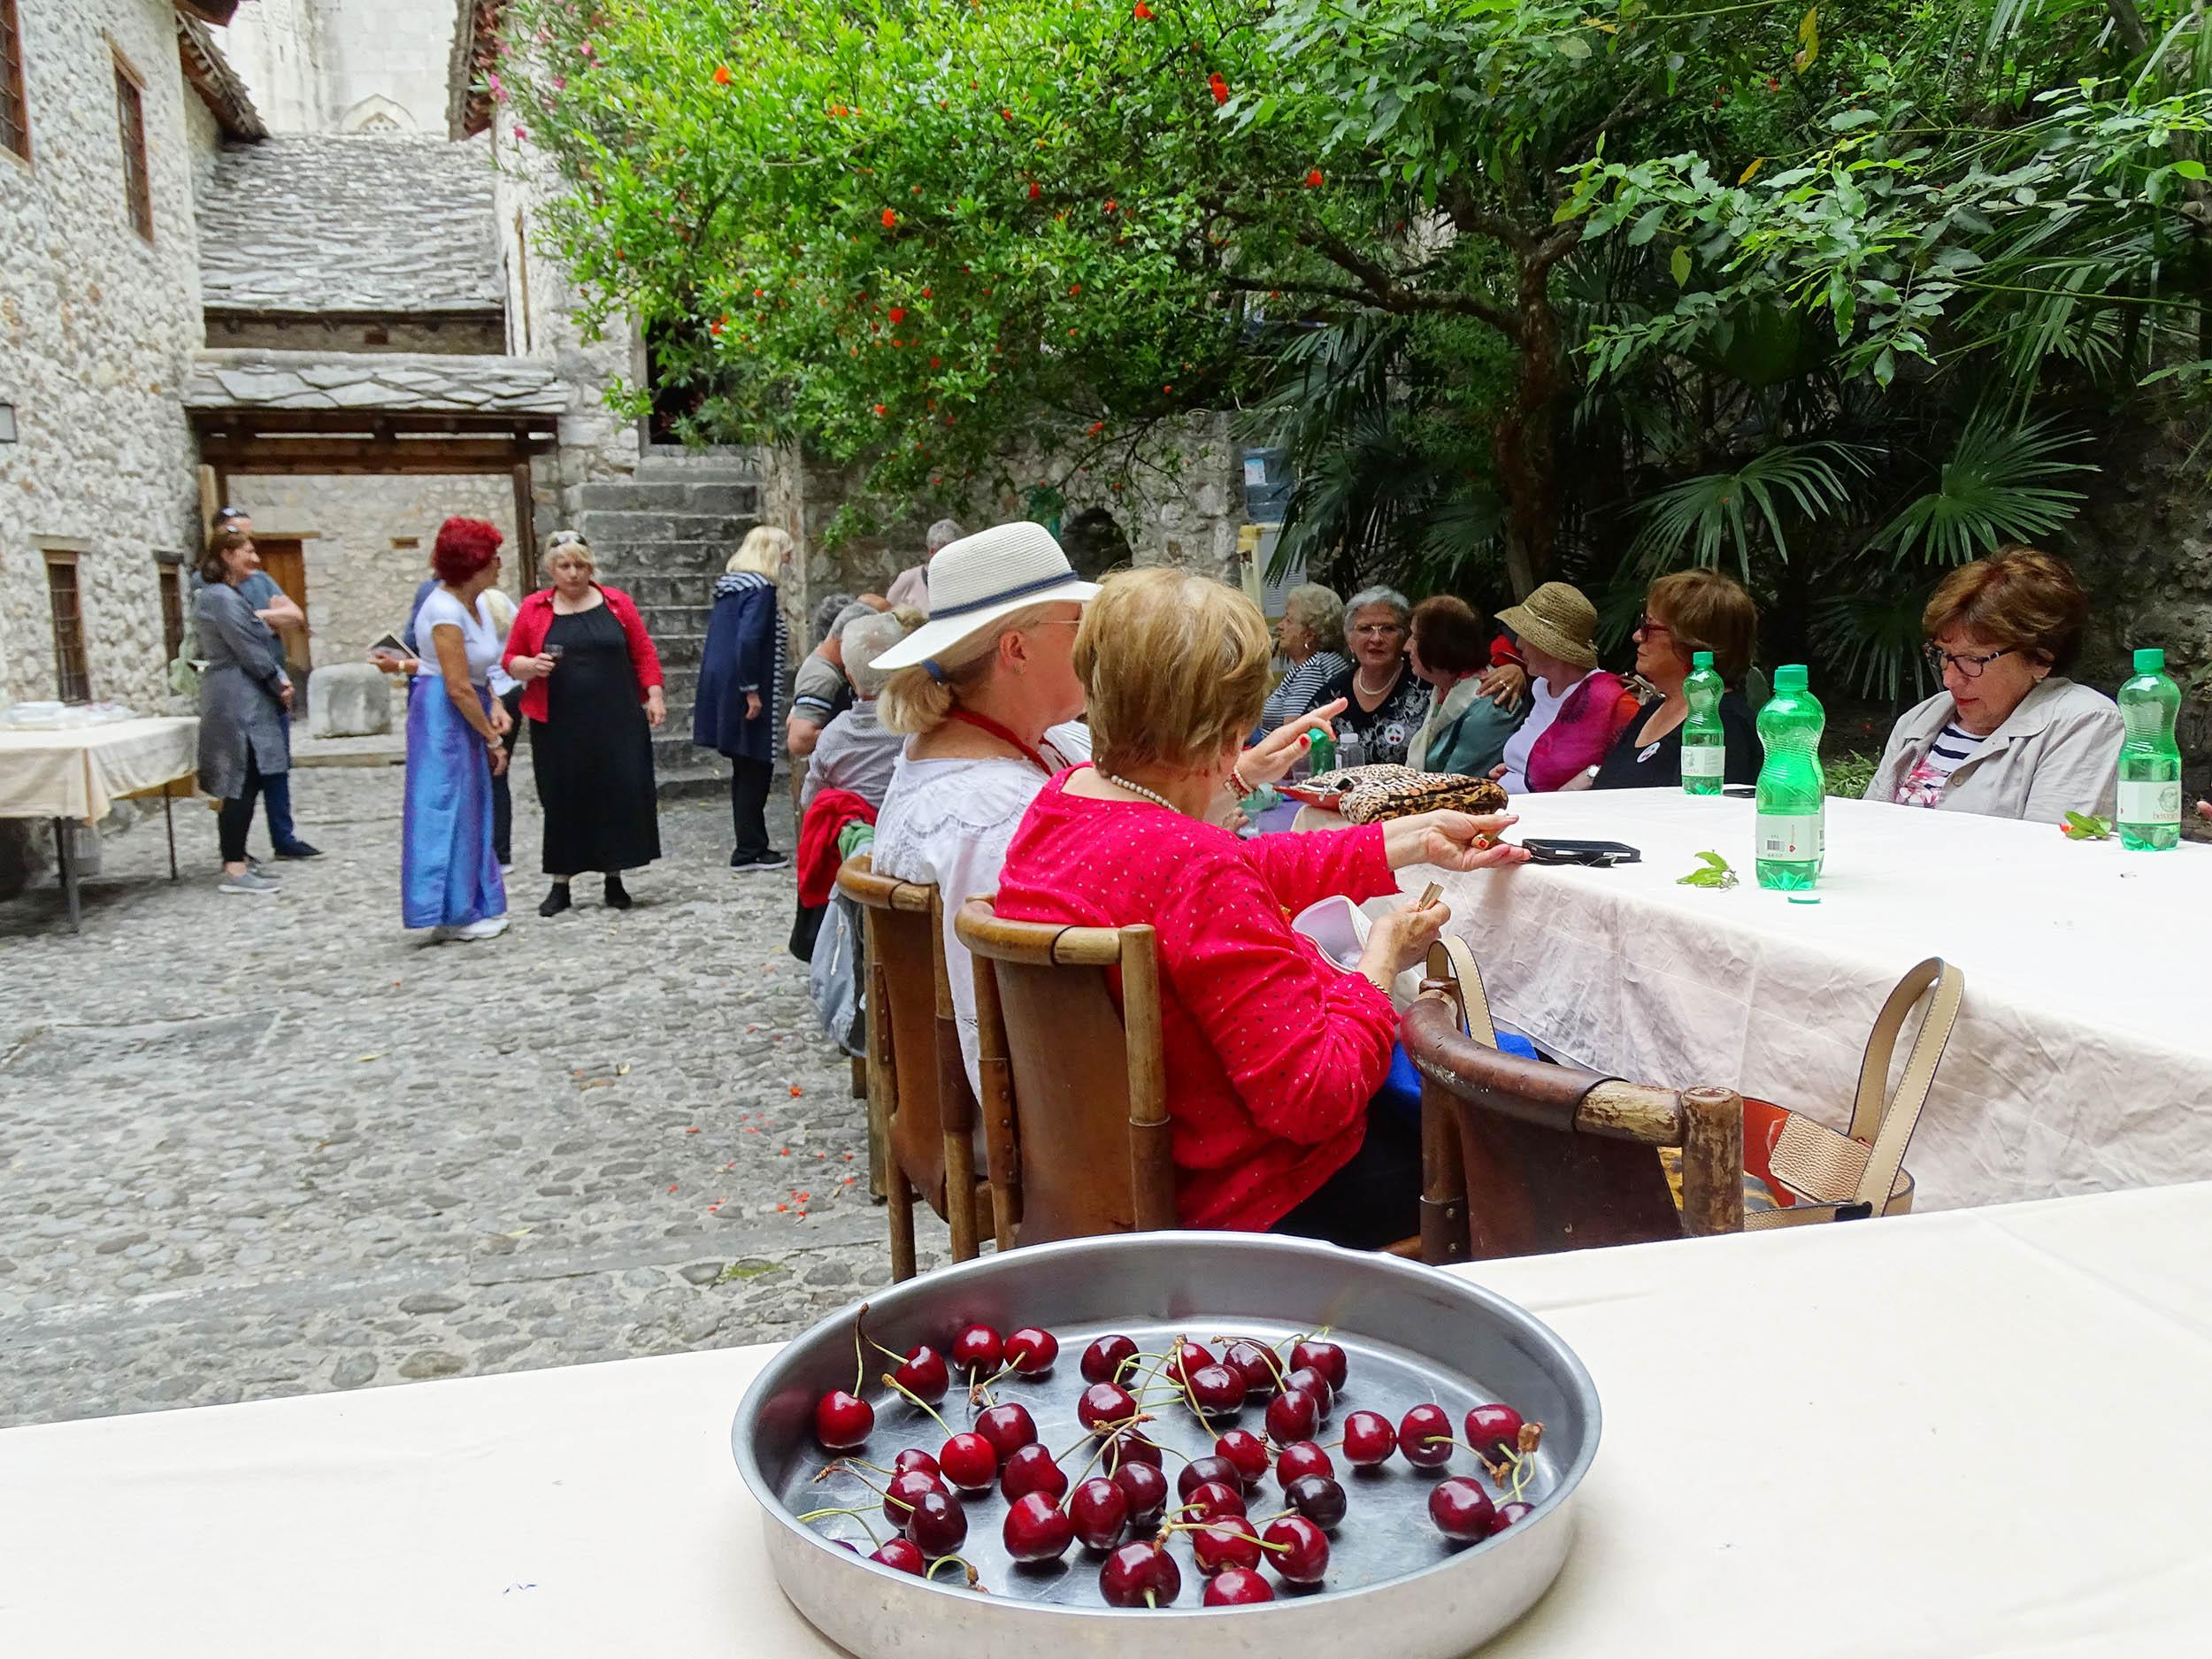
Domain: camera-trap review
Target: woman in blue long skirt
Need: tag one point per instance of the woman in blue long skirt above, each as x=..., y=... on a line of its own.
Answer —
x=450, y=878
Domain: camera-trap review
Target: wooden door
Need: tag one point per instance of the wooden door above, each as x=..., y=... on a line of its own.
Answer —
x=287, y=561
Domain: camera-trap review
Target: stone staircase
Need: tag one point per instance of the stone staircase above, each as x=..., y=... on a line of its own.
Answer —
x=662, y=535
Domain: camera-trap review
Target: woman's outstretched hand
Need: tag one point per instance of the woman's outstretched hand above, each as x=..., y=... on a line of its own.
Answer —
x=1276, y=753
x=1452, y=841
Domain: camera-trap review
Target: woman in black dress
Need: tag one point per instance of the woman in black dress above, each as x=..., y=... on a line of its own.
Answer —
x=592, y=692
x=1384, y=702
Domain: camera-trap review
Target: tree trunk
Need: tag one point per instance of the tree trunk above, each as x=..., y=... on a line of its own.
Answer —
x=1525, y=448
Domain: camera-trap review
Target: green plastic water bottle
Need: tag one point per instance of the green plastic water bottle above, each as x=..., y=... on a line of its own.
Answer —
x=1704, y=745
x=1793, y=789
x=1321, y=750
x=2150, y=760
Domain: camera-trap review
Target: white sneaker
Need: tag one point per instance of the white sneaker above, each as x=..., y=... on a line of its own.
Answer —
x=247, y=882
x=490, y=927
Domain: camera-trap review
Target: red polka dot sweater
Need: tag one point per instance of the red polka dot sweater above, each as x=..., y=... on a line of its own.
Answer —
x=1272, y=1051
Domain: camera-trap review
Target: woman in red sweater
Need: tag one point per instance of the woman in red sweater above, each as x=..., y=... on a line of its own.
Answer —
x=591, y=688
x=1272, y=1052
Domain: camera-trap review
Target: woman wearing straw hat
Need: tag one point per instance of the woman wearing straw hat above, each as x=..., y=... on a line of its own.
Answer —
x=1575, y=709
x=986, y=694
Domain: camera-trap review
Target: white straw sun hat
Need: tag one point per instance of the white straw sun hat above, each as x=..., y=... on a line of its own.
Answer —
x=981, y=578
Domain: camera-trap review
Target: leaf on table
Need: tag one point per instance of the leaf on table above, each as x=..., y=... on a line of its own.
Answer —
x=1712, y=872
x=2086, y=826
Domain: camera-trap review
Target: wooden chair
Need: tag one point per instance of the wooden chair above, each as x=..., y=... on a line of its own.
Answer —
x=1073, y=1093
x=921, y=1113
x=1522, y=1158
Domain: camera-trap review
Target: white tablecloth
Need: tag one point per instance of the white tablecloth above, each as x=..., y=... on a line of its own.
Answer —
x=79, y=775
x=2082, y=1060
x=1959, y=1436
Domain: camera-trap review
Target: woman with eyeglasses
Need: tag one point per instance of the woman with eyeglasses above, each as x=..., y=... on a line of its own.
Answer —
x=2009, y=736
x=1685, y=613
x=1384, y=701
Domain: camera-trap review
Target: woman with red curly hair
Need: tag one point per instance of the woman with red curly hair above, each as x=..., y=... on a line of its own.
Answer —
x=450, y=878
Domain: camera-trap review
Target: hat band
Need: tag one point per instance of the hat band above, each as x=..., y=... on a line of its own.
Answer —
x=937, y=613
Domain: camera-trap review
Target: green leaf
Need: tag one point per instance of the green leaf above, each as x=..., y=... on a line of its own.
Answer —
x=1850, y=118
x=1680, y=265
x=1712, y=872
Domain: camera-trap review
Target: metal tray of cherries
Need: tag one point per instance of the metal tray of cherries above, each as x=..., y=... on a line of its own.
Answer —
x=1266, y=1442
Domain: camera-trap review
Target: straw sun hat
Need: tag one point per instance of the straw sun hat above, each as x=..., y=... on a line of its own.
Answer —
x=976, y=580
x=1558, y=621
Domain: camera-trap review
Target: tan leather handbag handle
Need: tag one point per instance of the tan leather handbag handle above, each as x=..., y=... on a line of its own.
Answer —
x=1451, y=961
x=1889, y=1129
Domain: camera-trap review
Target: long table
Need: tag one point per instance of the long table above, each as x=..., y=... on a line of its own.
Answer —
x=2083, y=1057
x=1965, y=1435
x=74, y=776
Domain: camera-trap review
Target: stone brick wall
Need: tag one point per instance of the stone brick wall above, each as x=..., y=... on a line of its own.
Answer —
x=97, y=328
x=359, y=584
x=277, y=46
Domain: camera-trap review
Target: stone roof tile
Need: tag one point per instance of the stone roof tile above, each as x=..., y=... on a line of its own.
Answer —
x=305, y=224
x=253, y=377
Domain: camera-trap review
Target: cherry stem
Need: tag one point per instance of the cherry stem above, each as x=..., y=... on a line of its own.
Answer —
x=974, y=1582
x=860, y=1357
x=858, y=1515
x=916, y=1401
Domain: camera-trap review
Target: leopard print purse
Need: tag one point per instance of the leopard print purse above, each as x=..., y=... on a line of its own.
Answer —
x=1370, y=795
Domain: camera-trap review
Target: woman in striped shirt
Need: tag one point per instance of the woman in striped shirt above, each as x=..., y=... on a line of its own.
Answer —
x=1312, y=616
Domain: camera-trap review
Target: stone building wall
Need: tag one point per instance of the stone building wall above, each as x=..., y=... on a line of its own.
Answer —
x=97, y=328
x=358, y=583
x=387, y=58
x=277, y=46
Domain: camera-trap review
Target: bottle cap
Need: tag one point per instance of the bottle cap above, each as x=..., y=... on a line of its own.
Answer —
x=1790, y=677
x=2150, y=660
x=1701, y=659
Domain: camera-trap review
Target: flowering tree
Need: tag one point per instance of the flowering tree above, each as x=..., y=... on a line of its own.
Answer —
x=903, y=230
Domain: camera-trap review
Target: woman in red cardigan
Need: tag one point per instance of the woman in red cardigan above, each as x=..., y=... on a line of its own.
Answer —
x=1272, y=1052
x=591, y=690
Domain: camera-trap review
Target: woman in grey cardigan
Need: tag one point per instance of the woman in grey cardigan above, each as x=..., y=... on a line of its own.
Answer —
x=244, y=697
x=2009, y=736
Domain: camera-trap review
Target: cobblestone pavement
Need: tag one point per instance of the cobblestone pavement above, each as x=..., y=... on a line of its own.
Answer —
x=257, y=1146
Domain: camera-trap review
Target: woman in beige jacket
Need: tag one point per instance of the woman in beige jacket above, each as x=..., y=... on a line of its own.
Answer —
x=2009, y=736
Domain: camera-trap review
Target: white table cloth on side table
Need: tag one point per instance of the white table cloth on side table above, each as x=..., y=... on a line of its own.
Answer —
x=74, y=775
x=1971, y=1435
x=2083, y=1057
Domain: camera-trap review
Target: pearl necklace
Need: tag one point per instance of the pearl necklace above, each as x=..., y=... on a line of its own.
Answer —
x=1359, y=682
x=1137, y=789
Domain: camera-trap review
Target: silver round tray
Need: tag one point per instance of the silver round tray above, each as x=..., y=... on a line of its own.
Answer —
x=1412, y=1334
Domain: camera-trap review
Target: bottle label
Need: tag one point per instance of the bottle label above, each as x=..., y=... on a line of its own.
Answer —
x=2151, y=803
x=1791, y=837
x=1703, y=760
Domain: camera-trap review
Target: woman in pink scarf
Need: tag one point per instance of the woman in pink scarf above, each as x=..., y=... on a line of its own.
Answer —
x=1575, y=709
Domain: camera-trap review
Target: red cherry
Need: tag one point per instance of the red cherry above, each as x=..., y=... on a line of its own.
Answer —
x=1037, y=1529
x=1318, y=1498
x=912, y=1459
x=1295, y=1415
x=1492, y=1428
x=1199, y=1470
x=1313, y=1383
x=1306, y=1558
x=1301, y=1457
x=969, y=1462
x=1262, y=1371
x=899, y=1555
x=1217, y=1389
x=1325, y=1357
x=1132, y=1449
x=1369, y=1440
x=1099, y=1509
x=1031, y=1469
x=1104, y=1404
x=1247, y=1451
x=1508, y=1513
x=1424, y=1435
x=841, y=1420
x=1140, y=1575
x=1461, y=1508
x=904, y=1492
x=939, y=1524
x=1102, y=1361
x=1237, y=1586
x=1007, y=1427
x=1146, y=1488
x=1031, y=1351
x=976, y=1348
x=1187, y=1359
x=923, y=1374
x=1210, y=1500
x=1233, y=1541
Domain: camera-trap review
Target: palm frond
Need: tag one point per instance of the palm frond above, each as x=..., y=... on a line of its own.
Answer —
x=1872, y=637
x=1994, y=490
x=1804, y=481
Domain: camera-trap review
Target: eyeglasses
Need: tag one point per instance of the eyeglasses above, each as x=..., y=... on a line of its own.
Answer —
x=1648, y=624
x=1969, y=667
x=1378, y=629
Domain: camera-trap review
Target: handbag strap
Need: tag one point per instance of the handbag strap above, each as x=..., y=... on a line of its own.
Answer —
x=1889, y=1129
x=1451, y=961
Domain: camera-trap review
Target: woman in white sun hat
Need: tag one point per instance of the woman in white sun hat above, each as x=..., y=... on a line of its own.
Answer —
x=986, y=694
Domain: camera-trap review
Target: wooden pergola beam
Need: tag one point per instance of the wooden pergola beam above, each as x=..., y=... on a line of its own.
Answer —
x=262, y=423
x=314, y=455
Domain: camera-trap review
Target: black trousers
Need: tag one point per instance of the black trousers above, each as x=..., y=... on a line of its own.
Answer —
x=1373, y=1201
x=750, y=781
x=236, y=816
x=503, y=797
